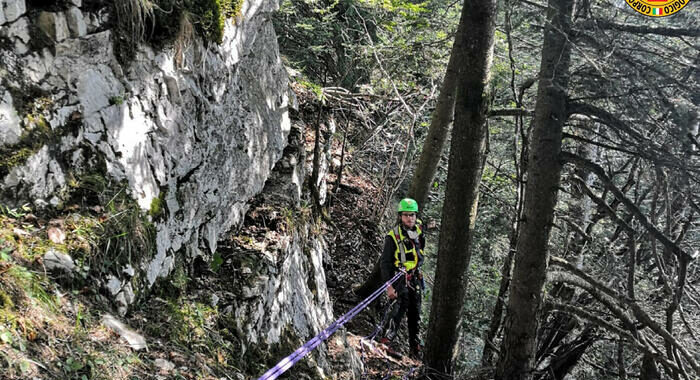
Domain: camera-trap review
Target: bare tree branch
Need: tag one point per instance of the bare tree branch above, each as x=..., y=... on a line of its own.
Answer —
x=639, y=313
x=510, y=112
x=602, y=204
x=573, y=310
x=631, y=207
x=641, y=29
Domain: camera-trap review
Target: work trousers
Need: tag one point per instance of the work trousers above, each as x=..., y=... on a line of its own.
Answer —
x=408, y=303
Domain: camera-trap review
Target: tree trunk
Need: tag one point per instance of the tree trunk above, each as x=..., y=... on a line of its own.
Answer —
x=649, y=370
x=555, y=335
x=466, y=161
x=315, y=168
x=439, y=126
x=544, y=168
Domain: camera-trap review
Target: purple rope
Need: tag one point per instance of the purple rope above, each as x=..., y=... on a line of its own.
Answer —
x=297, y=355
x=407, y=376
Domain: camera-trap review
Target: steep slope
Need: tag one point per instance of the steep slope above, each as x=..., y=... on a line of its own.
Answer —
x=123, y=187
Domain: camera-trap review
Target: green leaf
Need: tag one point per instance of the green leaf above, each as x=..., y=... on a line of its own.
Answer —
x=24, y=367
x=74, y=365
x=6, y=337
x=5, y=255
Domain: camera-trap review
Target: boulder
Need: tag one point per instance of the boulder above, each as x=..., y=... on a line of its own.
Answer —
x=10, y=130
x=76, y=22
x=59, y=262
x=54, y=25
x=135, y=340
x=11, y=10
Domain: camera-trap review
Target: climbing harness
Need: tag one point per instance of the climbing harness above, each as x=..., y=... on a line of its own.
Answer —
x=302, y=351
x=400, y=241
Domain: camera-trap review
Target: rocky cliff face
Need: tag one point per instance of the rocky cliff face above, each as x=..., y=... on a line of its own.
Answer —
x=196, y=134
x=202, y=137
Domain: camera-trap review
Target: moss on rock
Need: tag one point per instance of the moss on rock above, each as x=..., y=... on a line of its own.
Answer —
x=165, y=21
x=37, y=132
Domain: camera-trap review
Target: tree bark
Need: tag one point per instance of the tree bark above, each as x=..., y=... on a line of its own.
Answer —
x=649, y=370
x=465, y=167
x=544, y=168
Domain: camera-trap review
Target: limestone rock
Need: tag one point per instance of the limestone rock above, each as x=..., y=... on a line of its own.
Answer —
x=37, y=65
x=129, y=295
x=164, y=365
x=296, y=295
x=135, y=340
x=114, y=285
x=18, y=32
x=10, y=130
x=121, y=304
x=11, y=10
x=201, y=134
x=43, y=174
x=57, y=261
x=76, y=22
x=284, y=186
x=54, y=25
x=129, y=270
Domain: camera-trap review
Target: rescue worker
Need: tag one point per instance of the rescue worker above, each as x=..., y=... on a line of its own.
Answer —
x=403, y=248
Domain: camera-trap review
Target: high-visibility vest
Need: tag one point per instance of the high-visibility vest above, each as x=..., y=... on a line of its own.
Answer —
x=401, y=251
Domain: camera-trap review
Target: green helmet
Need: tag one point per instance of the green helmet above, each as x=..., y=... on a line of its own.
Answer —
x=408, y=204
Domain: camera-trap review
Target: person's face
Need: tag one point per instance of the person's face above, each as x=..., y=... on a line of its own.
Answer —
x=408, y=219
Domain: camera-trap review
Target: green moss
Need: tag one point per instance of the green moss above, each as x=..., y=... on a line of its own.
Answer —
x=37, y=133
x=189, y=321
x=5, y=301
x=208, y=17
x=232, y=8
x=116, y=100
x=39, y=122
x=157, y=210
x=15, y=159
x=156, y=207
x=211, y=20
